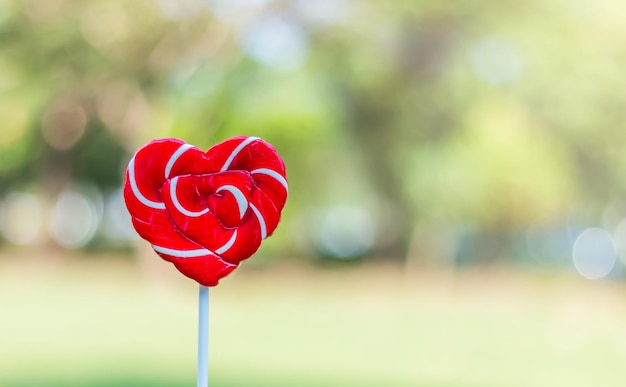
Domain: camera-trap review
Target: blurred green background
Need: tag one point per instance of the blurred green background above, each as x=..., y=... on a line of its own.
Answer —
x=457, y=177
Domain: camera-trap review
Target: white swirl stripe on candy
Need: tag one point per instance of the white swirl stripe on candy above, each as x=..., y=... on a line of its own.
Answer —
x=262, y=225
x=182, y=253
x=228, y=244
x=236, y=151
x=179, y=207
x=133, y=185
x=170, y=163
x=274, y=174
x=242, y=202
x=198, y=252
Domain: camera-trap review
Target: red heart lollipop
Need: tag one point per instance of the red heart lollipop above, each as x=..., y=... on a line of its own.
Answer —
x=206, y=211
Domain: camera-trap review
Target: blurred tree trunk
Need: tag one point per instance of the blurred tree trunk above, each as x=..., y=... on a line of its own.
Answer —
x=371, y=130
x=373, y=118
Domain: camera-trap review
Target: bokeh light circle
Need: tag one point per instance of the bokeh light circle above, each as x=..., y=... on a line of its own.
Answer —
x=74, y=219
x=594, y=253
x=22, y=218
x=345, y=231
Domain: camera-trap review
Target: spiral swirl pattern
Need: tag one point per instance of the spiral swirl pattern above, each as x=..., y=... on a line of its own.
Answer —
x=205, y=212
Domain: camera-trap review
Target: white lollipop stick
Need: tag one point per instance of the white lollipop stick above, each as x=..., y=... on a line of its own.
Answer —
x=203, y=337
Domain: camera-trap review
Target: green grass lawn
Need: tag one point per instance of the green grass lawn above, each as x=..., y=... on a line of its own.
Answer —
x=101, y=322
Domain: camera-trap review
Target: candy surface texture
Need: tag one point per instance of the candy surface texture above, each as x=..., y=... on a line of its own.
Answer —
x=205, y=212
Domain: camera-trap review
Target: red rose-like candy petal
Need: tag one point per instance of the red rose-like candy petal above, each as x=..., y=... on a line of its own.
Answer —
x=206, y=211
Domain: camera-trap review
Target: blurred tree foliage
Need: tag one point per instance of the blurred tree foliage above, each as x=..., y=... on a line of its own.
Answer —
x=491, y=115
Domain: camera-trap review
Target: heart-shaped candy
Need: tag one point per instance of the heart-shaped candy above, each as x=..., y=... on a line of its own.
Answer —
x=205, y=211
